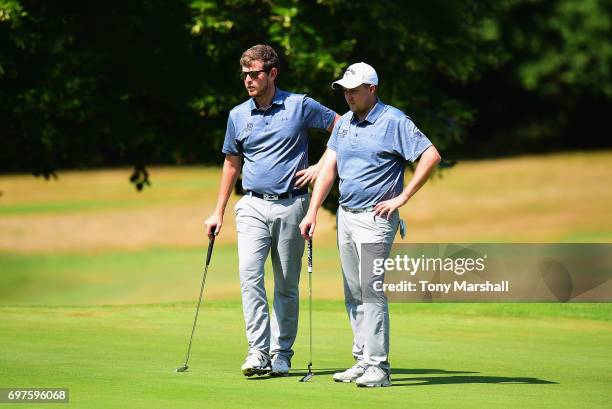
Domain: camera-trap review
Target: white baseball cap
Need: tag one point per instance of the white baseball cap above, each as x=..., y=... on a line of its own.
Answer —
x=357, y=74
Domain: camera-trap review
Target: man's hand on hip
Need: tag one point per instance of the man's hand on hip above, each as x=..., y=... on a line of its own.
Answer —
x=386, y=208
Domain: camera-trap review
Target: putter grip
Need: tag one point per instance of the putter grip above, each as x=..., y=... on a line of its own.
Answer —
x=310, y=256
x=211, y=244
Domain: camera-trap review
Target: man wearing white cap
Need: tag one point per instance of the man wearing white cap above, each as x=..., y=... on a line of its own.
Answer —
x=367, y=150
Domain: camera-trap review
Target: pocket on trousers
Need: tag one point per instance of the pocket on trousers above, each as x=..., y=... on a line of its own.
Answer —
x=382, y=223
x=387, y=225
x=237, y=206
x=304, y=203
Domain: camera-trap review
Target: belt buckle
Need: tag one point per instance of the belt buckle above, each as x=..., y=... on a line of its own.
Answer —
x=270, y=197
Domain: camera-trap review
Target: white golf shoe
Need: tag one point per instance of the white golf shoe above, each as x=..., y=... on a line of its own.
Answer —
x=256, y=364
x=351, y=374
x=280, y=366
x=373, y=377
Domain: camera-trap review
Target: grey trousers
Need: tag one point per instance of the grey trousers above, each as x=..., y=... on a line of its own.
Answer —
x=369, y=320
x=270, y=227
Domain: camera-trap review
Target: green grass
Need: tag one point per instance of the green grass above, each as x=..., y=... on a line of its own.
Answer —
x=111, y=277
x=144, y=276
x=94, y=279
x=66, y=207
x=451, y=356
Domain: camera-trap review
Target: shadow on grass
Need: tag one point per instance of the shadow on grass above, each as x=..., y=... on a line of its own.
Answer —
x=454, y=379
x=300, y=372
x=449, y=380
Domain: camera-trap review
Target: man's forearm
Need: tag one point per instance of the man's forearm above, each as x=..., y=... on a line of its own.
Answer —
x=229, y=175
x=427, y=163
x=324, y=182
x=322, y=159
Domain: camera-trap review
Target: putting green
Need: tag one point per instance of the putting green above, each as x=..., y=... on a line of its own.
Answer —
x=451, y=356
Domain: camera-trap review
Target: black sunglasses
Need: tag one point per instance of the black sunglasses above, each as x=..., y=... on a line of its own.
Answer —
x=253, y=74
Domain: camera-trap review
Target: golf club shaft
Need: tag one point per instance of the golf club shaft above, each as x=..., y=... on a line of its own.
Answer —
x=211, y=243
x=310, y=296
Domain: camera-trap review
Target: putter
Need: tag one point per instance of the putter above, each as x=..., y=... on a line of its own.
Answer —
x=211, y=244
x=310, y=374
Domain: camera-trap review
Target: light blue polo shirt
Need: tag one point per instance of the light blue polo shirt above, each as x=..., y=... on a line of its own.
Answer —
x=371, y=154
x=274, y=142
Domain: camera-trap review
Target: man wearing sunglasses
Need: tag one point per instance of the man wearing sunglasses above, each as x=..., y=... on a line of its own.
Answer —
x=368, y=150
x=269, y=131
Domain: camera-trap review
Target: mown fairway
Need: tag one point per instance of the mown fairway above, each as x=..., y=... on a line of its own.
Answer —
x=444, y=356
x=98, y=286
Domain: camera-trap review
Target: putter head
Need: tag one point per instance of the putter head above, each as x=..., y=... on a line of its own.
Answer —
x=307, y=377
x=182, y=368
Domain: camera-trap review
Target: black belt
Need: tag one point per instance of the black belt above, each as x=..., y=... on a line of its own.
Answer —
x=274, y=197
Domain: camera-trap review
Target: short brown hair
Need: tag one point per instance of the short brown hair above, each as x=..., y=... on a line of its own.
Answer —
x=263, y=53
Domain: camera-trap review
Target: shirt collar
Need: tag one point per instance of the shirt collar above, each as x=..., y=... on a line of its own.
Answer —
x=374, y=113
x=277, y=99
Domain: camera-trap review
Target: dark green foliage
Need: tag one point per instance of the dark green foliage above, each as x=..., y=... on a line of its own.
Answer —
x=151, y=81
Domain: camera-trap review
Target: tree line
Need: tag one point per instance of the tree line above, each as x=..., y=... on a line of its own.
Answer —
x=146, y=82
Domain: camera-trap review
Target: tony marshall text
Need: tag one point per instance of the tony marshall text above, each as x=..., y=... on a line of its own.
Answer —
x=455, y=286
